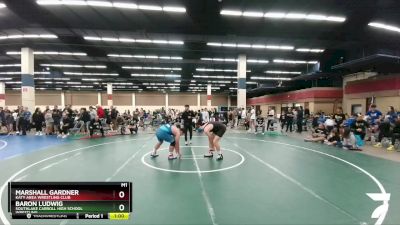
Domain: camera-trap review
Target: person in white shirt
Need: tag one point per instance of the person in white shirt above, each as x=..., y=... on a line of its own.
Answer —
x=329, y=123
x=205, y=116
x=252, y=119
x=270, y=118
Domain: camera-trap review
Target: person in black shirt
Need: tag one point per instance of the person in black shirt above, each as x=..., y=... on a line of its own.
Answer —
x=56, y=114
x=289, y=120
x=333, y=138
x=214, y=131
x=187, y=117
x=319, y=134
x=395, y=135
x=282, y=120
x=339, y=117
x=384, y=131
x=260, y=123
x=360, y=127
x=38, y=119
x=95, y=124
x=67, y=123
x=300, y=117
x=132, y=126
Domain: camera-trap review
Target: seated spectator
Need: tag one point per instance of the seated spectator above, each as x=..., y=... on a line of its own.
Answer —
x=384, y=131
x=360, y=127
x=392, y=115
x=374, y=114
x=395, y=135
x=260, y=123
x=319, y=134
x=95, y=124
x=339, y=117
x=333, y=138
x=329, y=123
x=132, y=126
x=66, y=124
x=348, y=139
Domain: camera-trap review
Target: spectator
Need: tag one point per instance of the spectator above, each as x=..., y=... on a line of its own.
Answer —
x=349, y=140
x=300, y=117
x=271, y=117
x=289, y=120
x=339, y=117
x=319, y=134
x=114, y=114
x=333, y=138
x=392, y=115
x=329, y=123
x=384, y=131
x=65, y=125
x=38, y=120
x=360, y=127
x=100, y=112
x=374, y=114
x=26, y=119
x=95, y=124
x=395, y=135
x=50, y=121
x=9, y=120
x=56, y=116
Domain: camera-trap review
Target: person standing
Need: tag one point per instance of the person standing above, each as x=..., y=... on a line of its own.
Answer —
x=38, y=119
x=300, y=116
x=270, y=118
x=187, y=117
x=26, y=119
x=339, y=117
x=114, y=115
x=289, y=120
x=252, y=119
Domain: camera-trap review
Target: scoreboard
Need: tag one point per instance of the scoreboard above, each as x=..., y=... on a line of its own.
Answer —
x=70, y=200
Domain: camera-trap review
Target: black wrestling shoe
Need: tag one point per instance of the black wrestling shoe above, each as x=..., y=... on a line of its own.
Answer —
x=220, y=157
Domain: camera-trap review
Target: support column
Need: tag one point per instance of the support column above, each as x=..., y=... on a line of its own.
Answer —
x=27, y=81
x=2, y=94
x=134, y=101
x=198, y=101
x=99, y=98
x=62, y=100
x=209, y=96
x=109, y=95
x=166, y=101
x=229, y=101
x=241, y=75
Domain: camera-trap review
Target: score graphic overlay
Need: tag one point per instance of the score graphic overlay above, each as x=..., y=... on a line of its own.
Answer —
x=70, y=200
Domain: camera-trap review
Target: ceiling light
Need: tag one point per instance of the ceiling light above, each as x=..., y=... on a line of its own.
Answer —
x=282, y=72
x=243, y=45
x=294, y=61
x=229, y=45
x=90, y=74
x=214, y=44
x=270, y=78
x=145, y=56
x=10, y=65
x=18, y=36
x=99, y=3
x=295, y=16
x=282, y=15
x=150, y=68
x=174, y=9
x=257, y=61
x=154, y=75
x=74, y=66
x=2, y=5
x=384, y=26
x=258, y=46
x=231, y=12
x=125, y=5
x=151, y=7
x=253, y=14
x=274, y=15
x=109, y=39
x=314, y=50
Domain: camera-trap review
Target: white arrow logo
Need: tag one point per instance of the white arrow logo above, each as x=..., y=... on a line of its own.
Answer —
x=380, y=212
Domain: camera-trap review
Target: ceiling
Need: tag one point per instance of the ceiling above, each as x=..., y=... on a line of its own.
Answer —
x=201, y=23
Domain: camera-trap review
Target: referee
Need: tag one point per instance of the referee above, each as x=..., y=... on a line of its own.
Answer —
x=187, y=117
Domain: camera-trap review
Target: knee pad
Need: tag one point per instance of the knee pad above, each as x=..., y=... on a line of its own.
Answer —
x=172, y=144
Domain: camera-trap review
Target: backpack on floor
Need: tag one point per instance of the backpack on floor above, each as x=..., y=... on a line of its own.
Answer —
x=359, y=141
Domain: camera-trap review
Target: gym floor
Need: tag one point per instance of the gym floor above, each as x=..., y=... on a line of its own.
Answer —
x=268, y=179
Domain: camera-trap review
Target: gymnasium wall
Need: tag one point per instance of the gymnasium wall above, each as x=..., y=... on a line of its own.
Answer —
x=318, y=99
x=385, y=89
x=122, y=100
